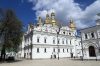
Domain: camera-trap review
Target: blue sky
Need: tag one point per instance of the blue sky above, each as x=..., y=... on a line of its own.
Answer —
x=83, y=12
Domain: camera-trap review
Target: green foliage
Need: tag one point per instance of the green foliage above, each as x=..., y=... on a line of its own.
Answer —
x=11, y=29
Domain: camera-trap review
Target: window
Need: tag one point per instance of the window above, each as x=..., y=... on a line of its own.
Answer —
x=71, y=50
x=38, y=40
x=44, y=40
x=53, y=50
x=85, y=36
x=69, y=33
x=66, y=42
x=58, y=50
x=37, y=49
x=99, y=50
x=53, y=41
x=67, y=50
x=63, y=32
x=58, y=42
x=63, y=41
x=92, y=35
x=63, y=50
x=44, y=49
x=70, y=42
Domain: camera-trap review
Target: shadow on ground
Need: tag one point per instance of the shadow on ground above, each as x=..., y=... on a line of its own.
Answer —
x=78, y=59
x=10, y=61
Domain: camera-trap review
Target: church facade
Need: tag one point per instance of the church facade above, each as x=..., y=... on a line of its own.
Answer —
x=91, y=41
x=48, y=40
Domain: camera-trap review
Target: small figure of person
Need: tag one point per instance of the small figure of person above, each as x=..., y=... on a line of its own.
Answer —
x=74, y=57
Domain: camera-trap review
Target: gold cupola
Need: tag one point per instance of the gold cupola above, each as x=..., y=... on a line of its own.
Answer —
x=72, y=26
x=47, y=21
x=54, y=22
x=40, y=22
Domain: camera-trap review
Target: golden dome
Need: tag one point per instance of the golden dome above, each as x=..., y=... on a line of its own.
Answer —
x=39, y=23
x=54, y=22
x=72, y=26
x=47, y=21
x=47, y=15
x=52, y=14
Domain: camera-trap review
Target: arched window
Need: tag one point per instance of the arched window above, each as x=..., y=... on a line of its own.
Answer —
x=44, y=49
x=44, y=40
x=37, y=40
x=85, y=36
x=37, y=49
x=53, y=41
x=92, y=35
x=58, y=41
x=67, y=50
x=70, y=42
x=63, y=50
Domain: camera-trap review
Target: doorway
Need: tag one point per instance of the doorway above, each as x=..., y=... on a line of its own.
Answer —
x=71, y=55
x=91, y=51
x=24, y=55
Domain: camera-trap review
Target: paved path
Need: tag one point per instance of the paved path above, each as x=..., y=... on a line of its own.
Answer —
x=52, y=62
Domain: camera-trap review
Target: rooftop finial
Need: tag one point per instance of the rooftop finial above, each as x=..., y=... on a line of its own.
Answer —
x=52, y=9
x=71, y=21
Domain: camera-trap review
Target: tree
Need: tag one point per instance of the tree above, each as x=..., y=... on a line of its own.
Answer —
x=11, y=30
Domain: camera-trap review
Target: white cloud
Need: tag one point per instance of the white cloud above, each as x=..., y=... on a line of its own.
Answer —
x=65, y=8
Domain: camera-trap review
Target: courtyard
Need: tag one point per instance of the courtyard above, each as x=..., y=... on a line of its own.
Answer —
x=52, y=62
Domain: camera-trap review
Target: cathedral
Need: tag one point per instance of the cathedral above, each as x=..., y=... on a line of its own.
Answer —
x=48, y=40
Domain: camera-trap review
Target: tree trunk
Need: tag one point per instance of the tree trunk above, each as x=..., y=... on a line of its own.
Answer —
x=3, y=53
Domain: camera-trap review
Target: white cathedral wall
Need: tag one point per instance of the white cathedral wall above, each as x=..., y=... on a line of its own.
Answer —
x=22, y=53
x=77, y=47
x=43, y=55
x=49, y=41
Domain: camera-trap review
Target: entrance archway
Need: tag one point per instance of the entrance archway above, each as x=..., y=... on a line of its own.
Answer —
x=91, y=51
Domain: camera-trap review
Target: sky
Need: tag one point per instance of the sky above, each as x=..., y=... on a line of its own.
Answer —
x=83, y=12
